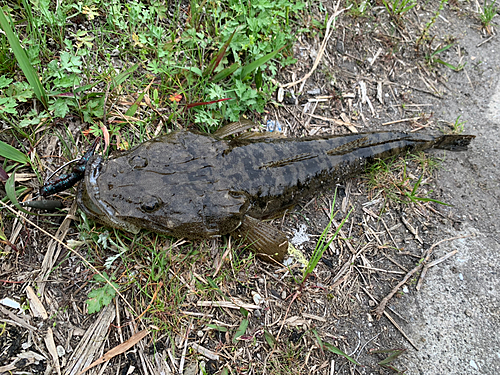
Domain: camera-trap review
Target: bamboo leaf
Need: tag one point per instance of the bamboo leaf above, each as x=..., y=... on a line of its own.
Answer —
x=10, y=190
x=11, y=153
x=23, y=60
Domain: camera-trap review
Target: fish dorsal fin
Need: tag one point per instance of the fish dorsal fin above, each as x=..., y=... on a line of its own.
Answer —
x=349, y=146
x=257, y=135
x=234, y=128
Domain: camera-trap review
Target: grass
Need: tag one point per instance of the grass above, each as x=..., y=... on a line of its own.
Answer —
x=204, y=53
x=359, y=8
x=323, y=242
x=393, y=179
x=486, y=15
x=398, y=8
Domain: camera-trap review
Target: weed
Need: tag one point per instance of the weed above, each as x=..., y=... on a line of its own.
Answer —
x=392, y=178
x=232, y=51
x=393, y=354
x=486, y=14
x=358, y=8
x=424, y=37
x=100, y=297
x=431, y=58
x=458, y=126
x=398, y=8
x=323, y=243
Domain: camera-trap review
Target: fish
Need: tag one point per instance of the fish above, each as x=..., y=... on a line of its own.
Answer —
x=194, y=185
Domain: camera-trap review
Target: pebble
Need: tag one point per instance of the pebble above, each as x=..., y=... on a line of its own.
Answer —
x=315, y=91
x=257, y=298
x=406, y=290
x=468, y=312
x=283, y=294
x=200, y=333
x=474, y=365
x=60, y=351
x=461, y=277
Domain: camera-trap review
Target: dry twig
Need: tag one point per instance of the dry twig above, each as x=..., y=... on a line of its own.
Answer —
x=381, y=307
x=328, y=34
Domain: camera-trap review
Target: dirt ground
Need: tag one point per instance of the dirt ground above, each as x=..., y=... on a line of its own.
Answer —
x=451, y=322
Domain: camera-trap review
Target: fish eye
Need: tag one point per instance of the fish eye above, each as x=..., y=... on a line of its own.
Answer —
x=151, y=204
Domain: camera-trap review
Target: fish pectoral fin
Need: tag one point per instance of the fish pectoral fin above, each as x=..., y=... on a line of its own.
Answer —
x=266, y=241
x=234, y=128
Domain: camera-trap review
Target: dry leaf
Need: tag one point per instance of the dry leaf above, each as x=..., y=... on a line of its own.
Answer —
x=122, y=348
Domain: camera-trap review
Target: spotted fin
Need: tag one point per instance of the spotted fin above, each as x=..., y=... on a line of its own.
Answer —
x=266, y=241
x=234, y=128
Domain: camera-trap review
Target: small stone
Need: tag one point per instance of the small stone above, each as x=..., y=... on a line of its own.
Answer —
x=406, y=290
x=257, y=314
x=60, y=351
x=200, y=333
x=461, y=277
x=281, y=94
x=315, y=91
x=257, y=298
x=474, y=365
x=469, y=313
x=283, y=294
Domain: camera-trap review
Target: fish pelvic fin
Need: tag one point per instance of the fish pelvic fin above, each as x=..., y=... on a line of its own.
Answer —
x=268, y=242
x=454, y=142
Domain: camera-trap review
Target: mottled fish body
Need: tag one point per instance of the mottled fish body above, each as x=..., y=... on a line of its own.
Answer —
x=194, y=185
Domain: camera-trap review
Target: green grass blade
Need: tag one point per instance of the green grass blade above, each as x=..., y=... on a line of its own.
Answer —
x=336, y=350
x=241, y=330
x=23, y=61
x=122, y=76
x=247, y=69
x=11, y=153
x=134, y=107
x=218, y=57
x=10, y=191
x=225, y=72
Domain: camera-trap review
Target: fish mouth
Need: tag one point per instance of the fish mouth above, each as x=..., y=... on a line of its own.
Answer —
x=89, y=201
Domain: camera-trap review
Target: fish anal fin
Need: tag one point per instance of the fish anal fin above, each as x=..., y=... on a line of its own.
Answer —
x=268, y=243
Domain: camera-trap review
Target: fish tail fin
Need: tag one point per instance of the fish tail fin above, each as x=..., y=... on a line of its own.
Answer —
x=265, y=240
x=454, y=142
